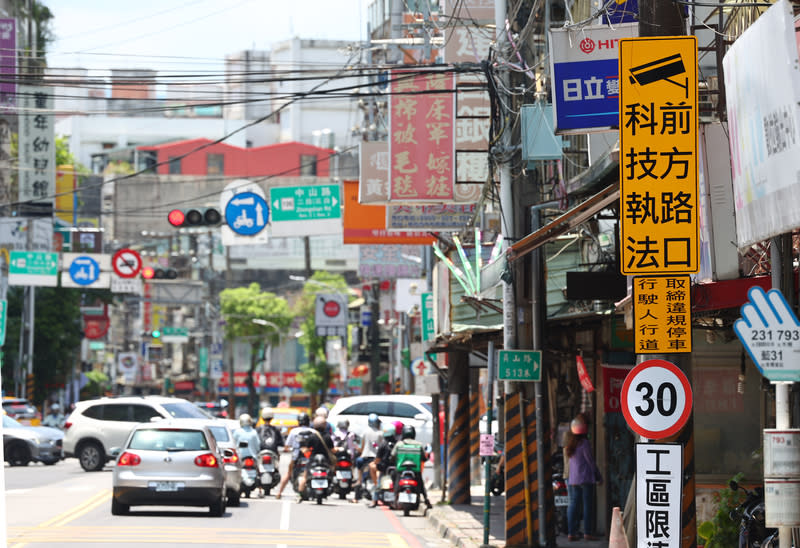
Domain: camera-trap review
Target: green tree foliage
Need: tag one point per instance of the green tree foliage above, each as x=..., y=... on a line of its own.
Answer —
x=316, y=374
x=239, y=307
x=98, y=384
x=42, y=24
x=57, y=337
x=721, y=531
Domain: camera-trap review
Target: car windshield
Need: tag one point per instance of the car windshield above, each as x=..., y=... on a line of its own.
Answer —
x=168, y=439
x=8, y=422
x=220, y=433
x=427, y=406
x=185, y=410
x=285, y=417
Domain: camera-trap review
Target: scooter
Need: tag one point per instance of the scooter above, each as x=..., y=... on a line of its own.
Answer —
x=249, y=476
x=318, y=486
x=343, y=475
x=560, y=492
x=269, y=474
x=753, y=531
x=385, y=491
x=408, y=491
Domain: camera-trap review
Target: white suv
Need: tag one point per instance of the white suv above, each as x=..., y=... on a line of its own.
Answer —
x=98, y=425
x=413, y=410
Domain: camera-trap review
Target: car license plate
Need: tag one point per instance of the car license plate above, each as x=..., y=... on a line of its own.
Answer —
x=562, y=500
x=346, y=474
x=319, y=484
x=251, y=474
x=410, y=498
x=269, y=468
x=388, y=496
x=165, y=486
x=266, y=478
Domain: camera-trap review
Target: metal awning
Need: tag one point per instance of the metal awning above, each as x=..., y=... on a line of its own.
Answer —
x=565, y=222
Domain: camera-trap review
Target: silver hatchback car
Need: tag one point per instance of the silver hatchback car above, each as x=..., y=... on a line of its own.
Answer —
x=171, y=463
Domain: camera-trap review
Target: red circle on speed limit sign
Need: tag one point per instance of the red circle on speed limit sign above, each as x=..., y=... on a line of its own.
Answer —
x=656, y=399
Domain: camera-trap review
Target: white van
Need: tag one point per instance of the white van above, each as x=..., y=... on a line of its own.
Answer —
x=413, y=410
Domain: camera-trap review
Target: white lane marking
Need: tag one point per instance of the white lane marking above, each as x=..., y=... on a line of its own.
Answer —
x=285, y=513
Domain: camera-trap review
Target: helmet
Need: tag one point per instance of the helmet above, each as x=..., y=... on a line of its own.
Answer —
x=321, y=411
x=398, y=427
x=388, y=431
x=55, y=408
x=245, y=420
x=409, y=432
x=303, y=420
x=373, y=420
x=578, y=426
x=267, y=414
x=320, y=423
x=343, y=424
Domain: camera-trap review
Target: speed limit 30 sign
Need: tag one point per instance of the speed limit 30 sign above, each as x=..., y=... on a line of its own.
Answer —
x=656, y=399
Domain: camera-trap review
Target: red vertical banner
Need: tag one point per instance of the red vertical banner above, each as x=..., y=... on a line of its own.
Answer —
x=422, y=137
x=613, y=379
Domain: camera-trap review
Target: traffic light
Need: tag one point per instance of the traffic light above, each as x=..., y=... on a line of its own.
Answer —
x=194, y=217
x=155, y=333
x=150, y=273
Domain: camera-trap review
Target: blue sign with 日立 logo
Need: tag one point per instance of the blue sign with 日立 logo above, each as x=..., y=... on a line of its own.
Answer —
x=585, y=71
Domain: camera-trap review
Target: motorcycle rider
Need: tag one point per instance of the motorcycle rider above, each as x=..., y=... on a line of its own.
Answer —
x=267, y=431
x=345, y=438
x=321, y=444
x=292, y=444
x=383, y=459
x=55, y=418
x=248, y=434
x=322, y=411
x=369, y=445
x=410, y=444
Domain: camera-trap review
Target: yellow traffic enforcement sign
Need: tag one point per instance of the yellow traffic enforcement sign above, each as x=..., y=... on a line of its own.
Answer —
x=658, y=155
x=662, y=310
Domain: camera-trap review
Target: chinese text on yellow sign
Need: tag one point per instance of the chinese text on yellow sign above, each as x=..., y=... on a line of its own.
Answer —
x=658, y=155
x=662, y=314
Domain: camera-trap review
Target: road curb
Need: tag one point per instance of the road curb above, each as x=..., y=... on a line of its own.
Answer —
x=441, y=517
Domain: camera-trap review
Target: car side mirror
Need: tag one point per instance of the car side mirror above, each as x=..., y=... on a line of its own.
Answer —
x=228, y=453
x=243, y=445
x=421, y=417
x=115, y=451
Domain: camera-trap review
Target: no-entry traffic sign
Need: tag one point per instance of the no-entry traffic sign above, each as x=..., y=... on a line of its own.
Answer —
x=656, y=399
x=126, y=263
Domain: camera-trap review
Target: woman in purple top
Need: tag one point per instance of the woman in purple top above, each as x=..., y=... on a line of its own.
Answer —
x=583, y=474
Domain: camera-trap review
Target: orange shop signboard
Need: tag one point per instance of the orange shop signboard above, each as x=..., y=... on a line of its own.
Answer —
x=366, y=224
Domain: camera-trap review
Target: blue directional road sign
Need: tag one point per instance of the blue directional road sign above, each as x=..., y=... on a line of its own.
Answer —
x=84, y=270
x=247, y=213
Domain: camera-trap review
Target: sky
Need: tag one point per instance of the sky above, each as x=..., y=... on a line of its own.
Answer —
x=105, y=34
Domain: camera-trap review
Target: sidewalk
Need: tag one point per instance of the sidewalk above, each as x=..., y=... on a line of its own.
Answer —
x=462, y=524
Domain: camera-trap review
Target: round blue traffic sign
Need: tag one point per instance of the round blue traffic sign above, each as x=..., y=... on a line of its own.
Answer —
x=84, y=270
x=247, y=213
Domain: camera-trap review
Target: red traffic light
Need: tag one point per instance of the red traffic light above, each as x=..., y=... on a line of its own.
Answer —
x=148, y=273
x=176, y=217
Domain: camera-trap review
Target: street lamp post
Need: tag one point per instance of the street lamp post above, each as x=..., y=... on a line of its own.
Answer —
x=261, y=321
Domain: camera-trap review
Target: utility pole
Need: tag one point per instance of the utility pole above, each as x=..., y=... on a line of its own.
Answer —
x=665, y=18
x=374, y=338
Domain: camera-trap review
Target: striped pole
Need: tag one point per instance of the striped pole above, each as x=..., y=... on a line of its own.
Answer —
x=458, y=451
x=522, y=522
x=474, y=421
x=688, y=510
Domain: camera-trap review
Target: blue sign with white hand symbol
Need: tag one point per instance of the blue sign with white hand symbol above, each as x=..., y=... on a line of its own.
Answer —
x=770, y=332
x=247, y=213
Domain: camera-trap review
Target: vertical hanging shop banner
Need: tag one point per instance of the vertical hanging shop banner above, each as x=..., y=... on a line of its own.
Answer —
x=37, y=147
x=658, y=155
x=662, y=314
x=8, y=64
x=421, y=136
x=373, y=182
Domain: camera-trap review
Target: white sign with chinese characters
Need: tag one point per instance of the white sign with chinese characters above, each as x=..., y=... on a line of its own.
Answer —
x=37, y=146
x=658, y=494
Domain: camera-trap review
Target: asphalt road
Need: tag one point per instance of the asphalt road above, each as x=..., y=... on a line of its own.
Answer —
x=62, y=505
